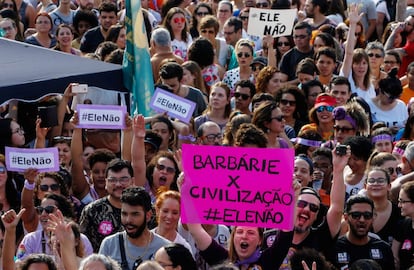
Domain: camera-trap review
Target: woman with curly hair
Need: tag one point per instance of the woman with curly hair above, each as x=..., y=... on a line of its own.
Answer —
x=293, y=105
x=269, y=80
x=176, y=24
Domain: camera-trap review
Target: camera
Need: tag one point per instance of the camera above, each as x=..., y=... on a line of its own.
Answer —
x=341, y=150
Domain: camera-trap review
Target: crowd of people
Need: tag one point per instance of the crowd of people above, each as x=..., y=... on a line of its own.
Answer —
x=338, y=91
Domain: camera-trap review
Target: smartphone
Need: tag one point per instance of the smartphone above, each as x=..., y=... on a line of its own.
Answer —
x=80, y=88
x=341, y=150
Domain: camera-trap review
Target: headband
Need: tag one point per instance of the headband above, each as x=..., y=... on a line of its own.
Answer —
x=306, y=142
x=381, y=137
x=339, y=113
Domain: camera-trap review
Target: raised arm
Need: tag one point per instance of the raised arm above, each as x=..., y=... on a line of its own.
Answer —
x=335, y=211
x=10, y=220
x=354, y=17
x=30, y=218
x=138, y=150
x=80, y=186
x=126, y=139
x=40, y=141
x=62, y=108
x=389, y=43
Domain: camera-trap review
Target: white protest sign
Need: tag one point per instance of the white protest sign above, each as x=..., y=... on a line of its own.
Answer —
x=101, y=116
x=175, y=106
x=274, y=22
x=43, y=159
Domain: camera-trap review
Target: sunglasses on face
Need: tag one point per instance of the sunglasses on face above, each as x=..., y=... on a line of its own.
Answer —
x=179, y=20
x=243, y=96
x=278, y=118
x=244, y=18
x=211, y=32
x=325, y=108
x=6, y=5
x=375, y=54
x=342, y=129
x=358, y=215
x=169, y=170
x=302, y=204
x=288, y=102
x=263, y=5
x=202, y=13
x=280, y=44
x=246, y=55
x=53, y=187
x=49, y=209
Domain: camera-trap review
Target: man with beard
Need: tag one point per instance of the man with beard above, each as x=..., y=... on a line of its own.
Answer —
x=93, y=37
x=103, y=217
x=356, y=243
x=315, y=11
x=137, y=243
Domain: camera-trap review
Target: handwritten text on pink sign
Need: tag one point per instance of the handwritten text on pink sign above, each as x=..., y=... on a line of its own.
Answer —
x=238, y=186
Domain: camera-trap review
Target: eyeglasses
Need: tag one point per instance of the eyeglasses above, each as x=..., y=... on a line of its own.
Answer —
x=302, y=204
x=404, y=201
x=265, y=5
x=202, y=13
x=161, y=167
x=244, y=18
x=377, y=181
x=300, y=36
x=342, y=129
x=278, y=118
x=390, y=62
x=358, y=215
x=49, y=209
x=280, y=44
x=257, y=67
x=5, y=5
x=246, y=55
x=212, y=137
x=243, y=96
x=211, y=32
x=325, y=108
x=53, y=187
x=288, y=102
x=179, y=20
x=375, y=54
x=121, y=180
x=2, y=170
x=19, y=130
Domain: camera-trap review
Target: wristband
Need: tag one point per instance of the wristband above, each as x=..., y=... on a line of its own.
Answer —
x=28, y=186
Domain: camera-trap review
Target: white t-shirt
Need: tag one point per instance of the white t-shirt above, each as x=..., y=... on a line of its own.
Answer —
x=180, y=47
x=365, y=94
x=397, y=116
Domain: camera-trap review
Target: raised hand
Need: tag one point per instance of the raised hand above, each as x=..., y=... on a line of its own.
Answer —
x=138, y=126
x=31, y=174
x=10, y=219
x=353, y=14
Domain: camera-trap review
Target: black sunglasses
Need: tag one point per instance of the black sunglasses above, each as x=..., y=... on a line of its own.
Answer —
x=257, y=67
x=53, y=187
x=278, y=118
x=302, y=204
x=286, y=102
x=342, y=129
x=243, y=96
x=358, y=215
x=246, y=55
x=49, y=209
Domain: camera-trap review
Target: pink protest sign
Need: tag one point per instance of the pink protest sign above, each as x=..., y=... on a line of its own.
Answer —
x=238, y=186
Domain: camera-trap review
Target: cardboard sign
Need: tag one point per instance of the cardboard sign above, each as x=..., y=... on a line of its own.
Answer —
x=238, y=186
x=274, y=22
x=43, y=159
x=101, y=116
x=175, y=106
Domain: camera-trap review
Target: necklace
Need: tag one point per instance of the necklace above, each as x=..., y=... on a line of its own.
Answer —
x=137, y=261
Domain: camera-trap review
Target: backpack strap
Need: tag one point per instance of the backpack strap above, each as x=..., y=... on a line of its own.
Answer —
x=124, y=263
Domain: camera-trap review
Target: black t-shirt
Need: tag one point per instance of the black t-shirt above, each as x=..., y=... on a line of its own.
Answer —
x=346, y=253
x=391, y=227
x=91, y=40
x=405, y=235
x=290, y=60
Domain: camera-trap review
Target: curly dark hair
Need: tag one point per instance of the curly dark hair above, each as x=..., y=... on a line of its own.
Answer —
x=201, y=51
x=264, y=77
x=300, y=112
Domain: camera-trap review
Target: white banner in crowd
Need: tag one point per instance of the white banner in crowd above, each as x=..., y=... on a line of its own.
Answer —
x=274, y=22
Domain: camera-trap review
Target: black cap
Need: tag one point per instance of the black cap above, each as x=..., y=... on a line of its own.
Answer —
x=153, y=139
x=259, y=60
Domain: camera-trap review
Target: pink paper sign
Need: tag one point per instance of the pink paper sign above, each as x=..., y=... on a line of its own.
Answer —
x=21, y=159
x=238, y=186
